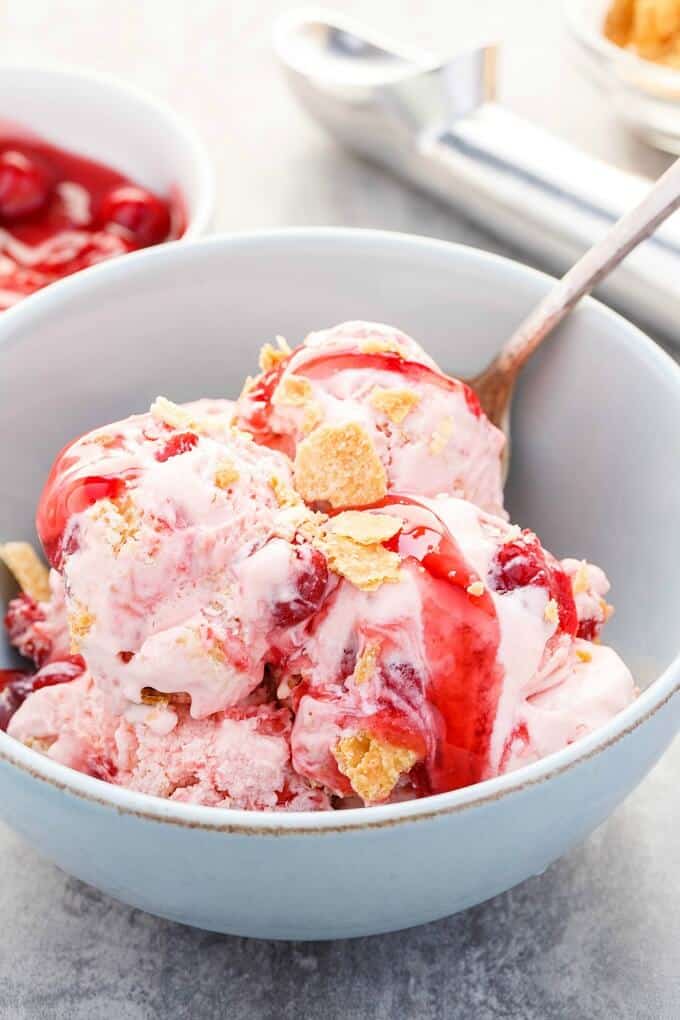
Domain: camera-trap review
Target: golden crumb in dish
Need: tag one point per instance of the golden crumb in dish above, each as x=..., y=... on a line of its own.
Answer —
x=551, y=613
x=367, y=567
x=294, y=390
x=150, y=696
x=30, y=572
x=365, y=527
x=271, y=356
x=79, y=625
x=120, y=518
x=396, y=404
x=312, y=417
x=165, y=412
x=338, y=465
x=366, y=663
x=372, y=766
x=226, y=474
x=650, y=28
x=285, y=496
x=476, y=588
x=376, y=345
x=441, y=436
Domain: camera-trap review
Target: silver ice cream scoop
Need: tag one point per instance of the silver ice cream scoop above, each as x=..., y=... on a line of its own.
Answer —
x=437, y=123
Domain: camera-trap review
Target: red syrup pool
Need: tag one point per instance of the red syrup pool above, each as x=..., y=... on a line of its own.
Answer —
x=61, y=212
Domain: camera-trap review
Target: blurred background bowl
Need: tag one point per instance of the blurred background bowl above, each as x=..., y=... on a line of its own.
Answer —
x=644, y=95
x=96, y=116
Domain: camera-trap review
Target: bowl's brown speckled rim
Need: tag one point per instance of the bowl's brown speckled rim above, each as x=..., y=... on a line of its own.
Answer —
x=626, y=725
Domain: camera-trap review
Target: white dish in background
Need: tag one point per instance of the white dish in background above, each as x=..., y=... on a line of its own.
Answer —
x=96, y=116
x=644, y=95
x=596, y=449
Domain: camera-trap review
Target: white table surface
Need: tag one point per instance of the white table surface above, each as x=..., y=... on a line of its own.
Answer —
x=598, y=935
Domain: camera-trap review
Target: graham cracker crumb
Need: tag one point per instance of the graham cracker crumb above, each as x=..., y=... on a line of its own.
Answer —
x=216, y=652
x=80, y=622
x=395, y=403
x=285, y=495
x=226, y=474
x=312, y=417
x=476, y=588
x=365, y=566
x=121, y=519
x=441, y=436
x=377, y=346
x=366, y=663
x=338, y=464
x=30, y=572
x=583, y=655
x=105, y=439
x=165, y=412
x=580, y=582
x=150, y=696
x=365, y=527
x=41, y=744
x=551, y=613
x=293, y=390
x=607, y=609
x=271, y=356
x=372, y=766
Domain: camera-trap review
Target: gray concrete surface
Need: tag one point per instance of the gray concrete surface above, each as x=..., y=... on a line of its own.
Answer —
x=597, y=936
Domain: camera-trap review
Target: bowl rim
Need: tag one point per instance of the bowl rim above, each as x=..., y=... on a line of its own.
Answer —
x=235, y=821
x=200, y=218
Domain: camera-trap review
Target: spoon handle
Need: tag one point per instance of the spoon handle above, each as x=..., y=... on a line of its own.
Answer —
x=662, y=200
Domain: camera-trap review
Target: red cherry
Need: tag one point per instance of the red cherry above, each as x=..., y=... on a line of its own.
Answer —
x=10, y=700
x=519, y=564
x=15, y=685
x=310, y=584
x=60, y=672
x=23, y=612
x=67, y=493
x=24, y=185
x=143, y=214
x=588, y=629
x=181, y=442
x=525, y=562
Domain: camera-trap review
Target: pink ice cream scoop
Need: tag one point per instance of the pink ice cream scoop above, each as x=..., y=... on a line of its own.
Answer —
x=237, y=758
x=182, y=571
x=458, y=667
x=368, y=395
x=302, y=612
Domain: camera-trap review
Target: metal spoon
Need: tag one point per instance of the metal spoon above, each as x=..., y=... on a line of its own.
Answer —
x=495, y=385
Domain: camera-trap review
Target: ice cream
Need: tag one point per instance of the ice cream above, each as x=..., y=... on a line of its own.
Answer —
x=179, y=512
x=369, y=398
x=237, y=758
x=300, y=610
x=456, y=671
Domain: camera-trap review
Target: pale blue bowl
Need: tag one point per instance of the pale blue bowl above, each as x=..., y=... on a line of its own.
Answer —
x=595, y=471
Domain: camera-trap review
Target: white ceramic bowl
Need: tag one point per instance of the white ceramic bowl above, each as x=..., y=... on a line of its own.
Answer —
x=95, y=115
x=595, y=471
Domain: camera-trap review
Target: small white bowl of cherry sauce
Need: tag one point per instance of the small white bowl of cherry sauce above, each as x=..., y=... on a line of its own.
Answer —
x=90, y=169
